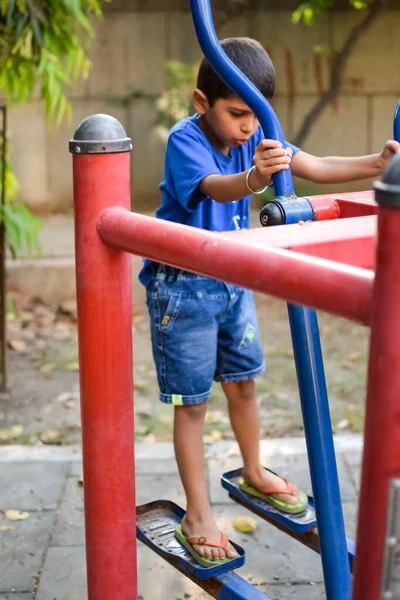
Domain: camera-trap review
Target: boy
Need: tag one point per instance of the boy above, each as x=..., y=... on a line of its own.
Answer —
x=204, y=330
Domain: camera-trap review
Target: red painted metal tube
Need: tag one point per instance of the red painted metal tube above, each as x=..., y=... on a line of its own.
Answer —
x=103, y=278
x=343, y=206
x=347, y=241
x=324, y=207
x=322, y=284
x=381, y=460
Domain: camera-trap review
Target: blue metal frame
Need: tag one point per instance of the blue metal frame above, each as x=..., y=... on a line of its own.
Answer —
x=396, y=126
x=305, y=337
x=234, y=78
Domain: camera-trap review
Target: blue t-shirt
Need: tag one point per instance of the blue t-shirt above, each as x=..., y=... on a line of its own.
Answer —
x=189, y=158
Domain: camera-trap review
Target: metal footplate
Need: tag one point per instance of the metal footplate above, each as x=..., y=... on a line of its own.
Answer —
x=155, y=527
x=298, y=523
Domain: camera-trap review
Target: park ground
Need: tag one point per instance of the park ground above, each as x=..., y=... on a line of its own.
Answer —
x=42, y=406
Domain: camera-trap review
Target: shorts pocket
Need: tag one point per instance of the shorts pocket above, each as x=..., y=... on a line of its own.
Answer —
x=169, y=309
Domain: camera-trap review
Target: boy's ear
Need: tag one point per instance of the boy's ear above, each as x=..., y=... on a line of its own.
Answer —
x=200, y=102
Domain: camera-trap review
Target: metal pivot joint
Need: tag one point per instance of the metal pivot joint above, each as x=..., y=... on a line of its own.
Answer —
x=388, y=188
x=100, y=134
x=285, y=211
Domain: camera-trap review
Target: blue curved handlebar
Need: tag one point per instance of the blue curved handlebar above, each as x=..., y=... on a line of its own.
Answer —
x=238, y=82
x=397, y=123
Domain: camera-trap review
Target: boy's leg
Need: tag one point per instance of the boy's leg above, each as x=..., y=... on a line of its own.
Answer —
x=243, y=414
x=189, y=452
x=184, y=313
x=240, y=359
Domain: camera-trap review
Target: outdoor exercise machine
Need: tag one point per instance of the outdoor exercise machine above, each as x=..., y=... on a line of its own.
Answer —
x=293, y=263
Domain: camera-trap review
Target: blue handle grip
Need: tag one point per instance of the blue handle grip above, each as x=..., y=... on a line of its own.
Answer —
x=397, y=123
x=240, y=84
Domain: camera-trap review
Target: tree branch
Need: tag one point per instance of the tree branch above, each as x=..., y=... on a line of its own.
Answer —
x=341, y=61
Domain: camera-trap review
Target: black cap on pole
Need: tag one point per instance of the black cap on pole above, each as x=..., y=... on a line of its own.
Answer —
x=387, y=189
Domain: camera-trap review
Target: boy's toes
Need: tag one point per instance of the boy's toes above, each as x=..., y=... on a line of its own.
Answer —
x=231, y=552
x=221, y=554
x=216, y=554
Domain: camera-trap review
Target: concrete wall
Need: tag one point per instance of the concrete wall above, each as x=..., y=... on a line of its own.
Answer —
x=130, y=50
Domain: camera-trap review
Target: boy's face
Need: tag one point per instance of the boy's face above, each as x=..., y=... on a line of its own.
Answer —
x=228, y=123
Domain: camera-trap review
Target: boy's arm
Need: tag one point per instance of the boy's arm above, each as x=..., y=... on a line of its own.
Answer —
x=338, y=169
x=269, y=158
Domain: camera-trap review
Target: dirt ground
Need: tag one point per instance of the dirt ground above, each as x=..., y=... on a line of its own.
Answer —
x=42, y=405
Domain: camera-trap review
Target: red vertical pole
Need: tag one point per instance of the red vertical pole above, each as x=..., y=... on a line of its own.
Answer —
x=103, y=281
x=381, y=460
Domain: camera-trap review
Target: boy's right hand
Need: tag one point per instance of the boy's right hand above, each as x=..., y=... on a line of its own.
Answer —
x=269, y=158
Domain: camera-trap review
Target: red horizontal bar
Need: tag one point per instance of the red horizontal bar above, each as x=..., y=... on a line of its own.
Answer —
x=348, y=241
x=339, y=289
x=343, y=206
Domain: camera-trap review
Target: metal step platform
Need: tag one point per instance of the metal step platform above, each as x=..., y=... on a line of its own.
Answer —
x=299, y=523
x=155, y=527
x=302, y=527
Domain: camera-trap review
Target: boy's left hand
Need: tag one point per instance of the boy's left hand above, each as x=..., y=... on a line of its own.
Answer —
x=391, y=147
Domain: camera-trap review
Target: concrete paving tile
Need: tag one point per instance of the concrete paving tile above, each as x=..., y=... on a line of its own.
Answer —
x=76, y=468
x=353, y=458
x=350, y=513
x=159, y=487
x=69, y=526
x=21, y=549
x=272, y=559
x=16, y=596
x=269, y=552
x=31, y=486
x=144, y=466
x=65, y=572
x=64, y=575
x=355, y=476
x=161, y=467
x=299, y=592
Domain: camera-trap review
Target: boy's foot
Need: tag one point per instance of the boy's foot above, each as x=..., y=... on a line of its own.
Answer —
x=208, y=530
x=263, y=481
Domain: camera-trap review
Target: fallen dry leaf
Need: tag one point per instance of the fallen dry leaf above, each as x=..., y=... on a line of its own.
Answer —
x=354, y=356
x=47, y=368
x=51, y=436
x=17, y=345
x=16, y=515
x=80, y=480
x=343, y=424
x=5, y=528
x=73, y=366
x=245, y=524
x=7, y=435
x=64, y=396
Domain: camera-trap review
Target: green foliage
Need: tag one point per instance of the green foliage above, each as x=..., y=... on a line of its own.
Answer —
x=21, y=225
x=175, y=102
x=307, y=12
x=43, y=45
x=43, y=49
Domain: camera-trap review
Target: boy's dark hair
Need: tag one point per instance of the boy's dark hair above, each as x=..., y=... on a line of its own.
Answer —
x=251, y=58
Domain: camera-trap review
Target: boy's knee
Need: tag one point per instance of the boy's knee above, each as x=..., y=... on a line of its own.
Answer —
x=240, y=390
x=192, y=412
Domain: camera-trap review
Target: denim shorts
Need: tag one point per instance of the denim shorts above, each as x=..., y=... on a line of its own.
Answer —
x=201, y=330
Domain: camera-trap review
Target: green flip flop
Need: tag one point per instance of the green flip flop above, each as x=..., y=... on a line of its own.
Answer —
x=188, y=542
x=284, y=507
